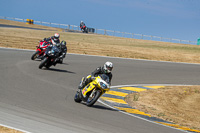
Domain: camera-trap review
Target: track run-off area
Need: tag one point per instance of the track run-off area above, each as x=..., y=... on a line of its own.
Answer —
x=35, y=100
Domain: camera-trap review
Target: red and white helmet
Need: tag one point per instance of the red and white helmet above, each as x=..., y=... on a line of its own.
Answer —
x=108, y=66
x=56, y=36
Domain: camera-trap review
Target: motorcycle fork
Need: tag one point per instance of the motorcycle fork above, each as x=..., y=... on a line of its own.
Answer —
x=92, y=93
x=94, y=90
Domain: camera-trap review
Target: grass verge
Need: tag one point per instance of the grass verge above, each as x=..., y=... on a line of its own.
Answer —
x=8, y=130
x=177, y=104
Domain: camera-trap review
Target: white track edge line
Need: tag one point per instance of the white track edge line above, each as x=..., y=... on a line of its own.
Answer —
x=14, y=128
x=113, y=57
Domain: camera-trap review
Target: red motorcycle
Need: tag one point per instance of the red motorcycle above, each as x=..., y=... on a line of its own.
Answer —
x=84, y=29
x=41, y=48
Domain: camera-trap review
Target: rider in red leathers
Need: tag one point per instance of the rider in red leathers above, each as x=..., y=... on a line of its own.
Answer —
x=53, y=39
x=83, y=27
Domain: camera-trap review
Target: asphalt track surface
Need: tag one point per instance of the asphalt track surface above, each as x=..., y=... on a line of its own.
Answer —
x=14, y=26
x=42, y=101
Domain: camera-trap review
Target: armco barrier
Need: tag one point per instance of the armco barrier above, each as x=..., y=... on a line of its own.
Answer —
x=67, y=27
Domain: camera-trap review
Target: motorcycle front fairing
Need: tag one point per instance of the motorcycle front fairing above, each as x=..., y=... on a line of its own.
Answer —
x=52, y=51
x=51, y=54
x=101, y=82
x=88, y=88
x=42, y=47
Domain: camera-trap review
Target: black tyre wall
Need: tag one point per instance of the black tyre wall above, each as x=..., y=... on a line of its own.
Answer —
x=33, y=57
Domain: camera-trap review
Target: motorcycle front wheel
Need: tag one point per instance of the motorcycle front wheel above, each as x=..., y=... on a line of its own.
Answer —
x=93, y=98
x=60, y=61
x=34, y=56
x=44, y=61
x=77, y=97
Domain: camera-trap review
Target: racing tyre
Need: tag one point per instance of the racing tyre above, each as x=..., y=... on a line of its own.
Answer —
x=34, y=56
x=43, y=63
x=61, y=61
x=93, y=98
x=77, y=97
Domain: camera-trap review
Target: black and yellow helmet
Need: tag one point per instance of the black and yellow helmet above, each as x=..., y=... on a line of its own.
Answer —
x=63, y=44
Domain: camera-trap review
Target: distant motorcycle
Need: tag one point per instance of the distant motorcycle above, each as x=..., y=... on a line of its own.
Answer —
x=84, y=29
x=91, y=92
x=50, y=57
x=41, y=48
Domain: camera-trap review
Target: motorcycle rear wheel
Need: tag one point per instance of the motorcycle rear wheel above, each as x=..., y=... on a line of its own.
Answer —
x=92, y=99
x=34, y=56
x=43, y=63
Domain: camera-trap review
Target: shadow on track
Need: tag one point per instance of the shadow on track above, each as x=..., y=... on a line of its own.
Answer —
x=64, y=64
x=58, y=63
x=98, y=107
x=37, y=60
x=102, y=107
x=59, y=70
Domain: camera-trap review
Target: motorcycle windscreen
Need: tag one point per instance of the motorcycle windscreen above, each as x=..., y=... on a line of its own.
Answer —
x=105, y=78
x=55, y=51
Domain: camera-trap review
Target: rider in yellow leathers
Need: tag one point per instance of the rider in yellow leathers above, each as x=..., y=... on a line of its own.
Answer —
x=106, y=69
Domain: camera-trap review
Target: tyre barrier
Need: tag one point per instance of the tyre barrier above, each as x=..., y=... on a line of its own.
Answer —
x=29, y=21
x=91, y=30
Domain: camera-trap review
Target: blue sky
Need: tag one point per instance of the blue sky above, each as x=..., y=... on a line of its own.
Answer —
x=178, y=19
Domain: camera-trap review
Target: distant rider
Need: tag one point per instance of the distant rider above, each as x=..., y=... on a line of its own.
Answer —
x=106, y=69
x=82, y=25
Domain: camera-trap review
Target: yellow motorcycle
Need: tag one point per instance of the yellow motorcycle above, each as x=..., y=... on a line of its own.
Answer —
x=91, y=92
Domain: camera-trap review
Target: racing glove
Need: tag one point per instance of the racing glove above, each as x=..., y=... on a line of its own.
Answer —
x=92, y=77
